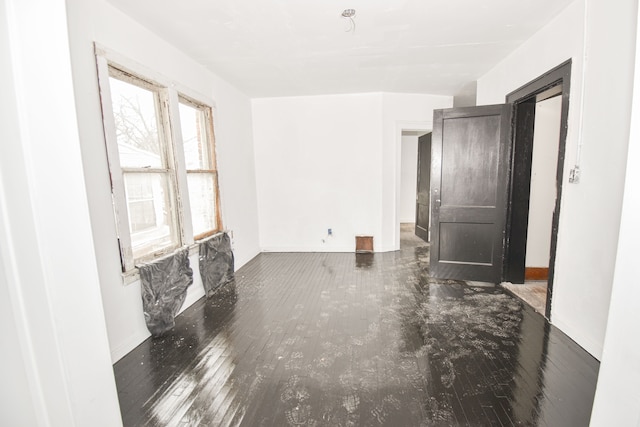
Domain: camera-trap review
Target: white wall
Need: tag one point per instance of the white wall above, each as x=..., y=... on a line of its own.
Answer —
x=333, y=162
x=98, y=21
x=542, y=198
x=466, y=97
x=408, y=177
x=590, y=209
x=599, y=121
x=617, y=400
x=56, y=335
x=318, y=167
x=18, y=406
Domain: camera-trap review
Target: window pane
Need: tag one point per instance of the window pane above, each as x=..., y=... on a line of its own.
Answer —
x=203, y=202
x=150, y=214
x=136, y=119
x=193, y=122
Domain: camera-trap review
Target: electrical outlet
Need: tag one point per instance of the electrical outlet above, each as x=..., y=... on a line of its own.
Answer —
x=329, y=232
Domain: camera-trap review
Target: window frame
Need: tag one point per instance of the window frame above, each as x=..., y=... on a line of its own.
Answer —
x=208, y=114
x=169, y=95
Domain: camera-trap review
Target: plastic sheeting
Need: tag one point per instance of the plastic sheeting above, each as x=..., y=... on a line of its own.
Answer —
x=216, y=262
x=164, y=288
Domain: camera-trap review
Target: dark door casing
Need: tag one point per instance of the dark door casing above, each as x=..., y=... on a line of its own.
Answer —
x=555, y=81
x=469, y=182
x=423, y=187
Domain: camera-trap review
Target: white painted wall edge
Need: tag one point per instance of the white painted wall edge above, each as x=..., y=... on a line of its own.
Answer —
x=617, y=397
x=62, y=311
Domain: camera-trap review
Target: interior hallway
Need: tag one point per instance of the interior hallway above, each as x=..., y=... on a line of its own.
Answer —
x=341, y=339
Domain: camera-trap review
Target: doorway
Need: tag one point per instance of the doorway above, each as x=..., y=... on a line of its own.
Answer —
x=481, y=185
x=542, y=199
x=407, y=208
x=423, y=188
x=534, y=211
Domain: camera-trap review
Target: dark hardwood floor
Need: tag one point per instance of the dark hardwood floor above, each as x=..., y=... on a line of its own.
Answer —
x=326, y=339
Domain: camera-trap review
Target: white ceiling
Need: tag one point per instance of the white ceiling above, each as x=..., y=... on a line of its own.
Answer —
x=300, y=47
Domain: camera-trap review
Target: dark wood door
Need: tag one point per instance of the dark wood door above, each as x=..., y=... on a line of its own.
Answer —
x=423, y=188
x=469, y=181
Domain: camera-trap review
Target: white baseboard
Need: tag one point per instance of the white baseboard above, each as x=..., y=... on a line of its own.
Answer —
x=309, y=249
x=129, y=344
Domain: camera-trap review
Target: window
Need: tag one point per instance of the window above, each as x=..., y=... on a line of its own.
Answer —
x=202, y=178
x=143, y=156
x=160, y=147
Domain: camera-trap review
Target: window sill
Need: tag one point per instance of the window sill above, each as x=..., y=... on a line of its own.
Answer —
x=131, y=276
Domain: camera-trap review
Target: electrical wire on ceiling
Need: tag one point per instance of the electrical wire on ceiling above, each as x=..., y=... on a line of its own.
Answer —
x=349, y=14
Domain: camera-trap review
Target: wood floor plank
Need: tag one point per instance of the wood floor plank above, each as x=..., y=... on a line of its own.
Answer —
x=335, y=339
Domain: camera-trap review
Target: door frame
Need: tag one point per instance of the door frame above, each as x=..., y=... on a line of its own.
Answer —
x=419, y=178
x=409, y=126
x=554, y=82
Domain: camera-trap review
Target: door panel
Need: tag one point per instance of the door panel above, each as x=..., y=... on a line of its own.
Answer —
x=423, y=187
x=470, y=150
x=466, y=181
x=466, y=243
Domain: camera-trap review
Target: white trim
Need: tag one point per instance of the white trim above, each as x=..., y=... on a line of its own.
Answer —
x=166, y=126
x=302, y=249
x=182, y=196
x=113, y=159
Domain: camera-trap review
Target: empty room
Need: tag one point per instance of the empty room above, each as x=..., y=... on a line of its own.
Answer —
x=287, y=213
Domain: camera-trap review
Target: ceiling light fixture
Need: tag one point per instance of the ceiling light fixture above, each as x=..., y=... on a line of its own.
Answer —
x=350, y=14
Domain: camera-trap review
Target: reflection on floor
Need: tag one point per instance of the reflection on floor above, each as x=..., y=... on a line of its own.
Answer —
x=532, y=292
x=338, y=339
